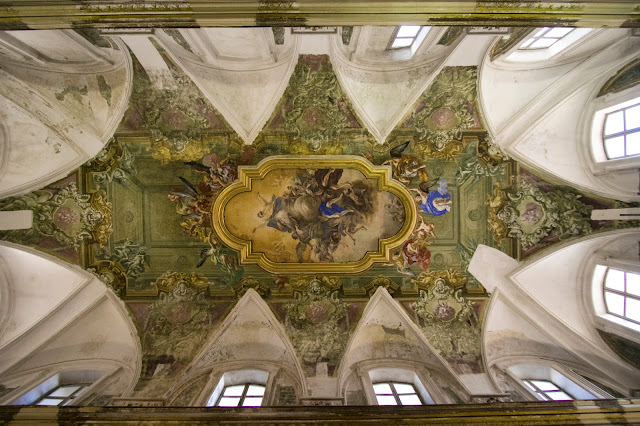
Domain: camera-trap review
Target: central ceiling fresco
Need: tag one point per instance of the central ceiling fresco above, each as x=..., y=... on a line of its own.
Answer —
x=181, y=218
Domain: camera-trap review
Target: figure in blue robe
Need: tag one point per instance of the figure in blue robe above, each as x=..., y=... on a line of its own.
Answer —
x=436, y=202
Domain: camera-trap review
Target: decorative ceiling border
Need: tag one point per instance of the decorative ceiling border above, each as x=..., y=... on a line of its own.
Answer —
x=246, y=174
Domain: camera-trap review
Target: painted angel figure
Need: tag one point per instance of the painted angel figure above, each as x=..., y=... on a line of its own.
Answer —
x=436, y=202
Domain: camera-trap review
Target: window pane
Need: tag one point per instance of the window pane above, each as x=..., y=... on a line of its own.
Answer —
x=228, y=402
x=541, y=31
x=50, y=401
x=633, y=283
x=614, y=147
x=558, y=32
x=614, y=280
x=559, y=396
x=233, y=390
x=386, y=400
x=615, y=303
x=408, y=31
x=64, y=391
x=252, y=402
x=403, y=388
x=633, y=144
x=633, y=117
x=614, y=123
x=402, y=42
x=382, y=388
x=633, y=309
x=530, y=386
x=544, y=385
x=410, y=400
x=255, y=390
x=527, y=43
x=542, y=43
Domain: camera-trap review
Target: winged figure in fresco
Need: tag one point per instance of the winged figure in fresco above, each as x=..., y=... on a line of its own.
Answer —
x=415, y=250
x=194, y=203
x=405, y=167
x=319, y=209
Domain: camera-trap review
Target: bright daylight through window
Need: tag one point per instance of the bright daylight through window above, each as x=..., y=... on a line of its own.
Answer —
x=621, y=132
x=405, y=36
x=545, y=37
x=622, y=294
x=61, y=395
x=247, y=395
x=547, y=391
x=396, y=394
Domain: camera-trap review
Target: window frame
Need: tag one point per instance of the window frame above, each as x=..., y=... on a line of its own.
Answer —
x=538, y=35
x=243, y=396
x=63, y=400
x=374, y=372
x=34, y=392
x=564, y=378
x=394, y=37
x=396, y=395
x=624, y=293
x=517, y=55
x=624, y=132
x=221, y=380
x=538, y=392
x=594, y=120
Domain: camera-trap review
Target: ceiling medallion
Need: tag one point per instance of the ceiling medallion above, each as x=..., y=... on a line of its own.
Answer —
x=314, y=214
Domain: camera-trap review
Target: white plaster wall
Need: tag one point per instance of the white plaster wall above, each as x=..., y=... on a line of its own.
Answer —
x=37, y=287
x=57, y=114
x=537, y=311
x=498, y=91
x=536, y=111
x=383, y=85
x=101, y=332
x=62, y=318
x=555, y=281
x=249, y=326
x=245, y=80
x=508, y=334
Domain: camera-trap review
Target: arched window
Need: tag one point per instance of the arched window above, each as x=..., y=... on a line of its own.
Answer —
x=408, y=37
x=395, y=386
x=621, y=132
x=544, y=43
x=241, y=388
x=394, y=393
x=622, y=294
x=545, y=37
x=549, y=384
x=60, y=389
x=547, y=390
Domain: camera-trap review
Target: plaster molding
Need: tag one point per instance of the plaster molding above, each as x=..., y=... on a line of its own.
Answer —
x=247, y=130
x=7, y=301
x=82, y=140
x=382, y=296
x=117, y=113
x=90, y=292
x=549, y=323
x=5, y=146
x=589, y=114
x=596, y=316
x=427, y=67
x=546, y=103
x=250, y=299
x=99, y=62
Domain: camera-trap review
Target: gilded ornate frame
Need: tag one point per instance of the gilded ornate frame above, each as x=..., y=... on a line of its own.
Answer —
x=246, y=174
